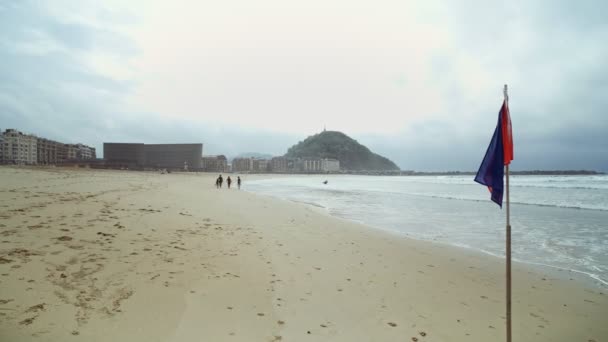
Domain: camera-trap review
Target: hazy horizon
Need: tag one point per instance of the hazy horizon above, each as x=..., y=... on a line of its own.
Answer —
x=419, y=83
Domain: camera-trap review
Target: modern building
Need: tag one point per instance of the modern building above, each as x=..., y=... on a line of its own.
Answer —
x=176, y=156
x=124, y=155
x=19, y=148
x=215, y=163
x=170, y=156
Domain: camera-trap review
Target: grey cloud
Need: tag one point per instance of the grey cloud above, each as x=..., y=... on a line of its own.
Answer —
x=55, y=95
x=554, y=56
x=28, y=21
x=558, y=81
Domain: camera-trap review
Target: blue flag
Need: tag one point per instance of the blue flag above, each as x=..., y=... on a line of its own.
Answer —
x=500, y=153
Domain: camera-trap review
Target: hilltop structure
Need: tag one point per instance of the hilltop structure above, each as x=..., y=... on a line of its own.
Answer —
x=351, y=155
x=326, y=152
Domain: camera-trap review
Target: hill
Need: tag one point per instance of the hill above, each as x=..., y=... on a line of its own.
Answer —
x=331, y=144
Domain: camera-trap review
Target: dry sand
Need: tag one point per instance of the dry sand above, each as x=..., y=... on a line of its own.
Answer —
x=133, y=256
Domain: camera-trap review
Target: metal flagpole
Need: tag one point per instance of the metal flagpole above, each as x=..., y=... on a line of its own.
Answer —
x=508, y=247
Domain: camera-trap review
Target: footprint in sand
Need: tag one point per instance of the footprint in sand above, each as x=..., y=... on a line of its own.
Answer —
x=36, y=308
x=28, y=321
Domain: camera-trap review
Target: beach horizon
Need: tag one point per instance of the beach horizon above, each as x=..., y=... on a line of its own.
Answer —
x=127, y=255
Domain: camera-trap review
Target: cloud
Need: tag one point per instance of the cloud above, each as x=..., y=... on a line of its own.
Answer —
x=552, y=58
x=419, y=83
x=46, y=85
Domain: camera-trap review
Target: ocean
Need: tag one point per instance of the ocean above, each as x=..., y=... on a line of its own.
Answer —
x=557, y=221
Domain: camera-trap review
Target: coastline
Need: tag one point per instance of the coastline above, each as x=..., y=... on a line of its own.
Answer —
x=237, y=266
x=335, y=206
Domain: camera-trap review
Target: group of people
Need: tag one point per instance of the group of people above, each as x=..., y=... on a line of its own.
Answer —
x=220, y=180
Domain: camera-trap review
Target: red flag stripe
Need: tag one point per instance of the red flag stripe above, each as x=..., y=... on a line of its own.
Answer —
x=507, y=135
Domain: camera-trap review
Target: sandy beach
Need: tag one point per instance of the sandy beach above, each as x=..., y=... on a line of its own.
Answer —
x=88, y=255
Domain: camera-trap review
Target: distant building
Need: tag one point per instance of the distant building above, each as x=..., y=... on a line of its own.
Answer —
x=215, y=163
x=47, y=151
x=1, y=147
x=242, y=165
x=19, y=148
x=279, y=164
x=293, y=165
x=172, y=156
x=124, y=154
x=311, y=165
x=84, y=152
x=71, y=151
x=330, y=165
x=259, y=165
x=62, y=153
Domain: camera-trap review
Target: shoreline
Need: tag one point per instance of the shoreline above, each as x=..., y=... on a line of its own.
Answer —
x=149, y=257
x=589, y=279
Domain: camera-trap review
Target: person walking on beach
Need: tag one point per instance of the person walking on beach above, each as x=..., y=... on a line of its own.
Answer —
x=229, y=181
x=238, y=182
x=220, y=180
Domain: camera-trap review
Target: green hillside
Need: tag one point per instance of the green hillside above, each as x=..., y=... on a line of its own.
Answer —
x=352, y=155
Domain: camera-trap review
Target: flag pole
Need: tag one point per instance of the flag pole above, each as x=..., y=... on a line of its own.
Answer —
x=508, y=243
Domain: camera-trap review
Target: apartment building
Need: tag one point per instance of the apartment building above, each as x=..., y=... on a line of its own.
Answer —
x=47, y=151
x=311, y=165
x=1, y=147
x=242, y=164
x=259, y=165
x=215, y=163
x=279, y=164
x=84, y=152
x=19, y=148
x=330, y=165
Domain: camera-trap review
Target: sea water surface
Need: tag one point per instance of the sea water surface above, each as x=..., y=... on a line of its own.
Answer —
x=557, y=221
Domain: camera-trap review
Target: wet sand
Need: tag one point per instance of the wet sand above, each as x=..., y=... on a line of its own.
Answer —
x=134, y=256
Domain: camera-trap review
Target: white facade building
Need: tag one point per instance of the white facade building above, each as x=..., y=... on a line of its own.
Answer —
x=311, y=165
x=19, y=148
x=330, y=165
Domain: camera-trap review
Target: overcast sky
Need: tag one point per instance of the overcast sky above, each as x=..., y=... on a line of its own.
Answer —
x=417, y=81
